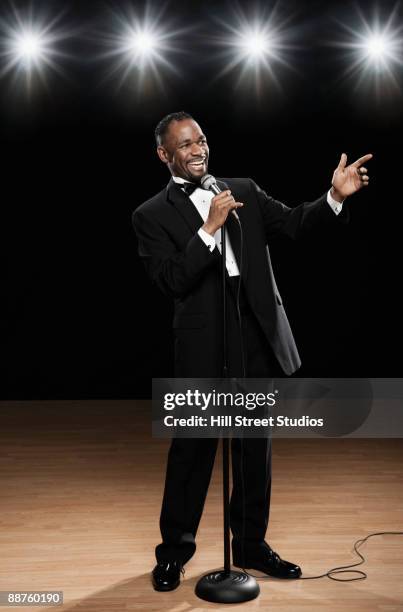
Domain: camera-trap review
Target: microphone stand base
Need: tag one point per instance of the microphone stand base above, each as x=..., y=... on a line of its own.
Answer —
x=227, y=587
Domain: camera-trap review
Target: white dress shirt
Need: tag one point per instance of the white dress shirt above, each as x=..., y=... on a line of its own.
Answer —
x=201, y=198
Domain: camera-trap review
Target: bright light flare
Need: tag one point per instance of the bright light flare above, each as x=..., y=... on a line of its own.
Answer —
x=30, y=46
x=374, y=52
x=379, y=50
x=139, y=49
x=27, y=48
x=377, y=46
x=257, y=45
x=143, y=43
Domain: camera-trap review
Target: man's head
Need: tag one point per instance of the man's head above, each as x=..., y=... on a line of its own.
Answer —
x=182, y=145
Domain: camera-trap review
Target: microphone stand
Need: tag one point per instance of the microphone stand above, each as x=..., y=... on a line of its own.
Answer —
x=226, y=586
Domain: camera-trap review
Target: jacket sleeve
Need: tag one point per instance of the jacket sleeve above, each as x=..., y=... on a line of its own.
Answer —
x=293, y=222
x=175, y=272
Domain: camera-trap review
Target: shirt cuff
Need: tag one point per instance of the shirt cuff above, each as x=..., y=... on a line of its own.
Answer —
x=208, y=239
x=334, y=204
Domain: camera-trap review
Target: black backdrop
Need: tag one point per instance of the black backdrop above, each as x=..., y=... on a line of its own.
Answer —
x=78, y=315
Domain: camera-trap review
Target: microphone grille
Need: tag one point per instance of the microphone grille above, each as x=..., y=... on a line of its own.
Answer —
x=207, y=181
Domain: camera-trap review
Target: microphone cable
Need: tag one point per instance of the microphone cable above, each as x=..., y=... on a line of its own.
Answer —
x=342, y=569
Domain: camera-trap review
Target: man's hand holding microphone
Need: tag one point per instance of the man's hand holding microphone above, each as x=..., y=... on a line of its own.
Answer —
x=221, y=205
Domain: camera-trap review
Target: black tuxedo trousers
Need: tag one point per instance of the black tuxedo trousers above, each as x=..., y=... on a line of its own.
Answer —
x=190, y=461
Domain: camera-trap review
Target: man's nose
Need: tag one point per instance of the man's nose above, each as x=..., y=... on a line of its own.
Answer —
x=196, y=149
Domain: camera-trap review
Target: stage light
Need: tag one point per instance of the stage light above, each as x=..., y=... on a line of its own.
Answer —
x=139, y=49
x=379, y=49
x=27, y=49
x=256, y=46
x=30, y=47
x=142, y=43
x=376, y=47
x=373, y=53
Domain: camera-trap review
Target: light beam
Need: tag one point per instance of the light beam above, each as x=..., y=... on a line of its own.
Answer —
x=373, y=52
x=376, y=46
x=30, y=46
x=255, y=46
x=139, y=49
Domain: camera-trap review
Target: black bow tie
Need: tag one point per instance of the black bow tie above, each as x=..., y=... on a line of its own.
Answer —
x=189, y=187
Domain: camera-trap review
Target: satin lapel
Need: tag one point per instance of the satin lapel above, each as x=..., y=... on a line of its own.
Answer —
x=234, y=233
x=184, y=206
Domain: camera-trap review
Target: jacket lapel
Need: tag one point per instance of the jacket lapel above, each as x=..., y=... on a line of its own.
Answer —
x=184, y=206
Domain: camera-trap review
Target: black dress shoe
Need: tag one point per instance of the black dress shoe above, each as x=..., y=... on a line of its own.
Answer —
x=264, y=559
x=166, y=575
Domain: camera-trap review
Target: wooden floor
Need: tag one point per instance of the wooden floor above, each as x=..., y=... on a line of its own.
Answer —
x=81, y=486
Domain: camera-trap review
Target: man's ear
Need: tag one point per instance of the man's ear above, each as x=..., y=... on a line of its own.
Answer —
x=163, y=154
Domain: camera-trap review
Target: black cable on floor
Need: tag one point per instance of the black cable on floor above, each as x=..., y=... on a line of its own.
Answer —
x=342, y=569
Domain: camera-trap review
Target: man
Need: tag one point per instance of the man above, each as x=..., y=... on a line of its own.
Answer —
x=178, y=232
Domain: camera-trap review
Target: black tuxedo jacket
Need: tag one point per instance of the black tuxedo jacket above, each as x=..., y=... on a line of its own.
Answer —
x=182, y=266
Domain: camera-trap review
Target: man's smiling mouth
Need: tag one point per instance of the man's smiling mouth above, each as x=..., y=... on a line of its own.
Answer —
x=197, y=164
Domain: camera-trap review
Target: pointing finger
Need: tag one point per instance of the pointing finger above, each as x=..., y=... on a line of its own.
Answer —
x=362, y=160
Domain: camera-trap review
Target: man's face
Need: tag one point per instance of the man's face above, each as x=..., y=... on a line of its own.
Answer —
x=185, y=150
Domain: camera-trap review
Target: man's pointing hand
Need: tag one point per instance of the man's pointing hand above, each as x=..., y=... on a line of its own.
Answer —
x=349, y=179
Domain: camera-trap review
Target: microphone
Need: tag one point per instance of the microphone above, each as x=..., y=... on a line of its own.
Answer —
x=209, y=183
